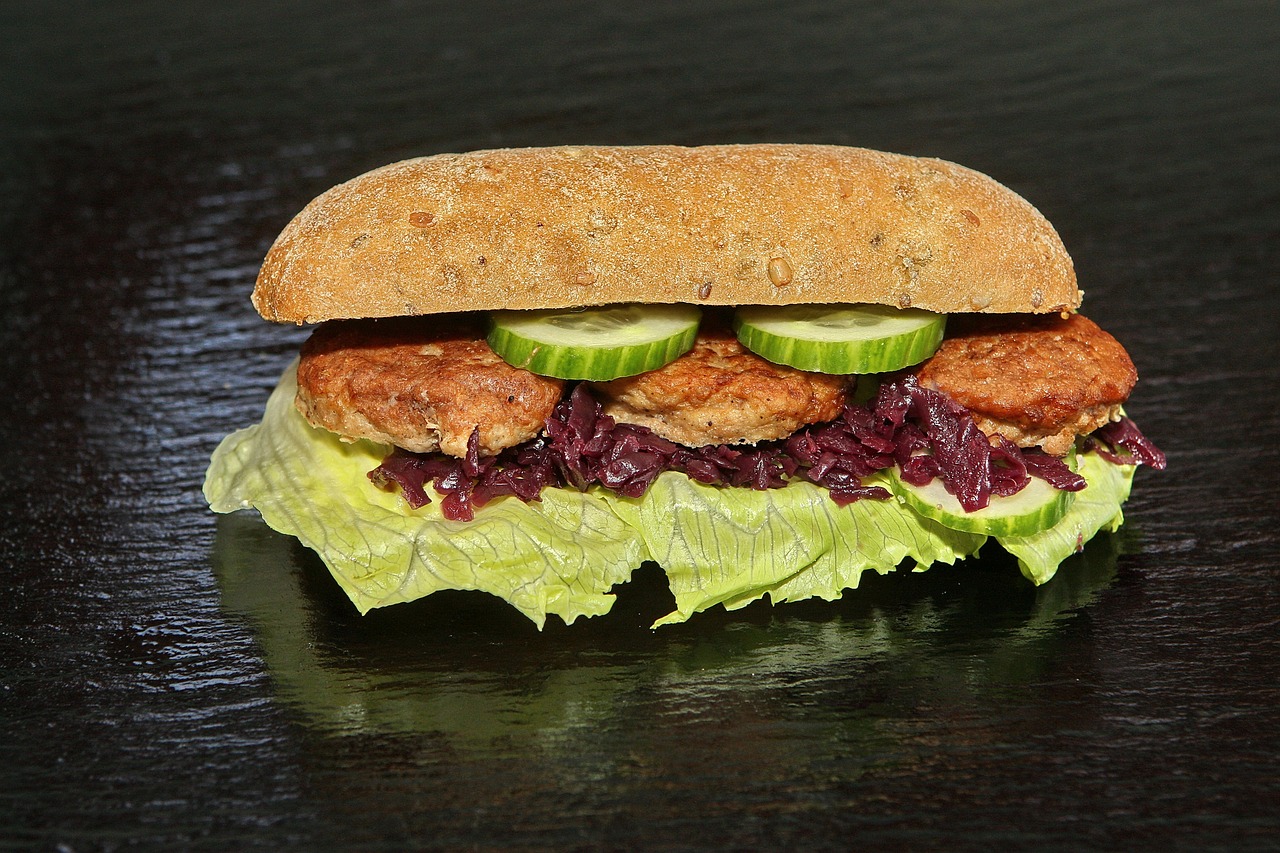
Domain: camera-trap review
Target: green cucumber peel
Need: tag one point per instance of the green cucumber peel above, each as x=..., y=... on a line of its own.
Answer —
x=595, y=344
x=840, y=339
x=1038, y=506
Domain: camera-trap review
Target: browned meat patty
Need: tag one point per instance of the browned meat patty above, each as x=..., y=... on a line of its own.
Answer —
x=416, y=384
x=721, y=393
x=1038, y=381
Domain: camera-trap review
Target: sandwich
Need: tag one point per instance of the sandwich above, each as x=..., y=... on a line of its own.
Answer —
x=766, y=368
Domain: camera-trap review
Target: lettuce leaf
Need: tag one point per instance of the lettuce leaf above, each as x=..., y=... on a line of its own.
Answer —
x=1094, y=509
x=732, y=546
x=560, y=556
x=564, y=554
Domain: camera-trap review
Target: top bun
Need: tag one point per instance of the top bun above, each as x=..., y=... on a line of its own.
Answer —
x=715, y=225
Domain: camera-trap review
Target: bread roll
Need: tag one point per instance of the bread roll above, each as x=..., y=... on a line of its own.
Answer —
x=715, y=225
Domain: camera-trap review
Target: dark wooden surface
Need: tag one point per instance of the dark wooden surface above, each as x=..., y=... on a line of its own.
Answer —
x=169, y=680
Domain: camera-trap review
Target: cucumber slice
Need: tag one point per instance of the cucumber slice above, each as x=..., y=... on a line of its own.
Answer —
x=1037, y=507
x=840, y=338
x=597, y=344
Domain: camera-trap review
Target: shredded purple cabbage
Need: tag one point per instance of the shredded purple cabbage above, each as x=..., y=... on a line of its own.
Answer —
x=1123, y=443
x=922, y=431
x=937, y=437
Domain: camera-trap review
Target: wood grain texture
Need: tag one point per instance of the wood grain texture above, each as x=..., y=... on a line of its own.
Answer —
x=174, y=680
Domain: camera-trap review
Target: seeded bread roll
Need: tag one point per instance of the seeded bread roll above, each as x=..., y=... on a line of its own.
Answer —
x=714, y=225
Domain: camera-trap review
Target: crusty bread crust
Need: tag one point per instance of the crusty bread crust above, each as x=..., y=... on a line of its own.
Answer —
x=715, y=225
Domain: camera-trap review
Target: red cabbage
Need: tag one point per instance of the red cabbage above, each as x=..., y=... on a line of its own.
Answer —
x=922, y=431
x=1123, y=443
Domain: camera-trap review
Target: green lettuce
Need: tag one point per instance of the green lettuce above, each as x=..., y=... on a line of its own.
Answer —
x=732, y=546
x=564, y=554
x=1094, y=509
x=560, y=556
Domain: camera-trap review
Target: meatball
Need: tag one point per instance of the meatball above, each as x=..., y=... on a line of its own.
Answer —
x=721, y=393
x=1036, y=380
x=420, y=383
